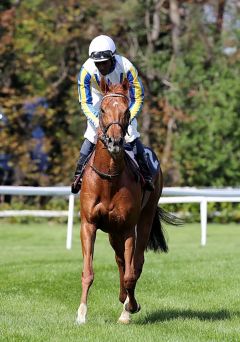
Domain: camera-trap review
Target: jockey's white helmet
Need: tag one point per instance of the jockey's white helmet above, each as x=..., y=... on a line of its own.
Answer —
x=101, y=48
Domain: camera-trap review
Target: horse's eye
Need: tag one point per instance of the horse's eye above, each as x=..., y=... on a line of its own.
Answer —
x=102, y=110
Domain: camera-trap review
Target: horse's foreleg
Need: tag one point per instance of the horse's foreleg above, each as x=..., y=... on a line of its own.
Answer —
x=125, y=315
x=118, y=246
x=130, y=275
x=121, y=266
x=88, y=235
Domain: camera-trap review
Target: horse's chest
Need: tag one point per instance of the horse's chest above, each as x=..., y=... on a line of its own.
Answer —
x=113, y=220
x=113, y=216
x=113, y=213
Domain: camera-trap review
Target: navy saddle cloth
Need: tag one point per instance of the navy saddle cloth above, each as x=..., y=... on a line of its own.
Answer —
x=153, y=161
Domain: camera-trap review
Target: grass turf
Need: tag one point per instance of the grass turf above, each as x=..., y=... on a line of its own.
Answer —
x=190, y=294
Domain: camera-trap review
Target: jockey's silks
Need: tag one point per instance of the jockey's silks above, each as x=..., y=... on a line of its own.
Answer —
x=90, y=95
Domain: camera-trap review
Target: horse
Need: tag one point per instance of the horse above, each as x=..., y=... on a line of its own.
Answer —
x=113, y=200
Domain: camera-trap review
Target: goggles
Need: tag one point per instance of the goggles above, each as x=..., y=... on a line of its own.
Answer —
x=101, y=55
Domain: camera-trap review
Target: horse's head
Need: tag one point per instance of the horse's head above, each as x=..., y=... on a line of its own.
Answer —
x=114, y=116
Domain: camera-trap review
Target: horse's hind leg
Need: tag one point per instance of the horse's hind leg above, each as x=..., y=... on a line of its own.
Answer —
x=88, y=235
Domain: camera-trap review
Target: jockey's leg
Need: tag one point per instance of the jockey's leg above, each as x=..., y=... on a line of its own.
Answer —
x=85, y=151
x=142, y=160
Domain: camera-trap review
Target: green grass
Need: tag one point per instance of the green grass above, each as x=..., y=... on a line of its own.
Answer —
x=190, y=294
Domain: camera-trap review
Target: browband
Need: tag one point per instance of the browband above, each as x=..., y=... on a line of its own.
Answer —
x=115, y=95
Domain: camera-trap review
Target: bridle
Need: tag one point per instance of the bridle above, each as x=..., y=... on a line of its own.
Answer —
x=104, y=137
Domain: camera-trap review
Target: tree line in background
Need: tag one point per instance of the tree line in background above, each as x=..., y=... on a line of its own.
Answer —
x=187, y=54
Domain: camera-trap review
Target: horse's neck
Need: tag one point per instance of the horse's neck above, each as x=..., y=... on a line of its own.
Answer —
x=105, y=163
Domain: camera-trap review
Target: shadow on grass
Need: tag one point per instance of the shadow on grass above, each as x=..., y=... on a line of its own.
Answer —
x=167, y=315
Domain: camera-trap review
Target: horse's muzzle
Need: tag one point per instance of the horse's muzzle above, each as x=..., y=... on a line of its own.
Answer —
x=115, y=145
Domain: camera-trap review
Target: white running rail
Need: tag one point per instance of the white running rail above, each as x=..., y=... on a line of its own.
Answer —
x=170, y=195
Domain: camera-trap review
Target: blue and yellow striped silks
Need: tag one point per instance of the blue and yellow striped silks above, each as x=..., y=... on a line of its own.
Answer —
x=85, y=96
x=136, y=93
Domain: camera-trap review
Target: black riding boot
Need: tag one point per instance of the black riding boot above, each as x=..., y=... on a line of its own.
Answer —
x=144, y=168
x=142, y=160
x=85, y=151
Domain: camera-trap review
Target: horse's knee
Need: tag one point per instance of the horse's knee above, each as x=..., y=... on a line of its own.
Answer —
x=88, y=279
x=130, y=282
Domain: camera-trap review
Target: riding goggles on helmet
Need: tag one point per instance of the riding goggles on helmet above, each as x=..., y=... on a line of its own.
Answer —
x=101, y=56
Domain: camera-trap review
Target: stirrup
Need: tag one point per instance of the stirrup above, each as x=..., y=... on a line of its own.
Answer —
x=76, y=185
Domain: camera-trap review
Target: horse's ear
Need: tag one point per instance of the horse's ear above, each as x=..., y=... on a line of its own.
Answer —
x=125, y=84
x=104, y=86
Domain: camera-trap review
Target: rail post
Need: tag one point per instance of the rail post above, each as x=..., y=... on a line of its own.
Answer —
x=70, y=222
x=203, y=214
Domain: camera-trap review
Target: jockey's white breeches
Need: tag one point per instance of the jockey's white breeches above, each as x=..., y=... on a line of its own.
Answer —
x=91, y=132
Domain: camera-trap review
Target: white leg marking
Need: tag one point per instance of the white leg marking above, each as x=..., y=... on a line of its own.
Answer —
x=81, y=314
x=125, y=315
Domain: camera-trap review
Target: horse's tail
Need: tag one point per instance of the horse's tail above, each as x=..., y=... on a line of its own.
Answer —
x=157, y=241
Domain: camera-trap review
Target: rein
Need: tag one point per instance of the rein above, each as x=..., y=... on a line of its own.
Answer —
x=105, y=175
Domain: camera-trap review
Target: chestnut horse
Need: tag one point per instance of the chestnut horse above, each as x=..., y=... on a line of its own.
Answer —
x=112, y=200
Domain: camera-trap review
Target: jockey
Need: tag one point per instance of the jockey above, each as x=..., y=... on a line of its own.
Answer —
x=104, y=62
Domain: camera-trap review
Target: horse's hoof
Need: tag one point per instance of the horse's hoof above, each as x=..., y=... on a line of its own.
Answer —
x=124, y=321
x=80, y=321
x=124, y=318
x=81, y=314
